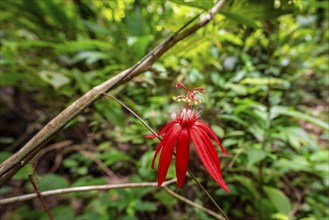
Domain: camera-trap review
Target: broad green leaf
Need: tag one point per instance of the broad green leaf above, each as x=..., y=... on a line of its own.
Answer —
x=280, y=216
x=265, y=208
x=194, y=3
x=278, y=199
x=144, y=165
x=230, y=37
x=112, y=156
x=218, y=131
x=60, y=212
x=145, y=206
x=235, y=119
x=248, y=184
x=10, y=79
x=91, y=56
x=81, y=80
x=281, y=110
x=55, y=79
x=238, y=89
x=165, y=199
x=255, y=155
x=23, y=172
x=264, y=81
x=52, y=181
x=4, y=155
x=81, y=45
x=296, y=163
x=140, y=44
x=239, y=18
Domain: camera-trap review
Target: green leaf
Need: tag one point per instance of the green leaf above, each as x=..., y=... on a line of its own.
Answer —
x=4, y=155
x=24, y=172
x=278, y=199
x=254, y=156
x=239, y=18
x=144, y=166
x=81, y=80
x=230, y=37
x=265, y=81
x=140, y=44
x=112, y=156
x=91, y=56
x=9, y=79
x=194, y=3
x=280, y=216
x=218, y=131
x=296, y=163
x=281, y=110
x=248, y=184
x=52, y=181
x=165, y=199
x=60, y=212
x=54, y=78
x=145, y=206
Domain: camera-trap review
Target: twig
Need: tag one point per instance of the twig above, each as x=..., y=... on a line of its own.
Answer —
x=229, y=167
x=38, y=194
x=10, y=166
x=298, y=195
x=188, y=170
x=51, y=147
x=114, y=178
x=208, y=195
x=191, y=203
x=82, y=189
x=67, y=143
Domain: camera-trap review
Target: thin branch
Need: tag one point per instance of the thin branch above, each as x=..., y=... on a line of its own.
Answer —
x=114, y=178
x=133, y=113
x=65, y=144
x=82, y=189
x=10, y=166
x=191, y=203
x=188, y=170
x=208, y=195
x=43, y=202
x=109, y=187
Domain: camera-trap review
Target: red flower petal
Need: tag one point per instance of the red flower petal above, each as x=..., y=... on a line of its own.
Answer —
x=162, y=143
x=166, y=154
x=205, y=127
x=164, y=129
x=182, y=156
x=206, y=158
x=211, y=149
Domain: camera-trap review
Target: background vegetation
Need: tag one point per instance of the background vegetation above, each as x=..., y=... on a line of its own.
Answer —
x=264, y=65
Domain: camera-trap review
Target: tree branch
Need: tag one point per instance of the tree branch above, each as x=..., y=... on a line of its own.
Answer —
x=108, y=187
x=10, y=166
x=42, y=200
x=82, y=189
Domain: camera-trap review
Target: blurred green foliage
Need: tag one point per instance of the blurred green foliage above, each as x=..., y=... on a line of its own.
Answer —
x=264, y=65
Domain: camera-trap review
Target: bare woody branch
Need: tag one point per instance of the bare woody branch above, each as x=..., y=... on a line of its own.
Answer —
x=42, y=200
x=109, y=187
x=10, y=166
x=82, y=189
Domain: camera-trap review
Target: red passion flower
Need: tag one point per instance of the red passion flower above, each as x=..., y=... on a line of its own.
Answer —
x=179, y=132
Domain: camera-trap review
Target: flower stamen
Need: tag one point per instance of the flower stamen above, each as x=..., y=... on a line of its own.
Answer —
x=189, y=98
